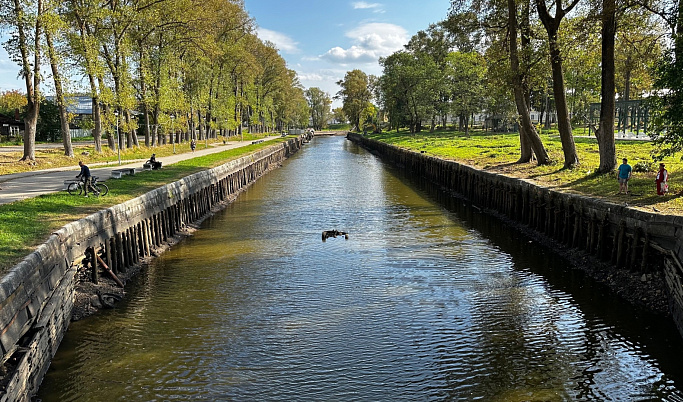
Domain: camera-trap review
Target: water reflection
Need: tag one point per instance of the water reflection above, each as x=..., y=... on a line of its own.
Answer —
x=427, y=300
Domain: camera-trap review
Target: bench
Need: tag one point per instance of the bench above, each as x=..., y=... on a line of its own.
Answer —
x=118, y=173
x=147, y=166
x=257, y=142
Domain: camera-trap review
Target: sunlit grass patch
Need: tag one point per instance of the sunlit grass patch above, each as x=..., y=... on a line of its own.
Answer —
x=28, y=223
x=499, y=152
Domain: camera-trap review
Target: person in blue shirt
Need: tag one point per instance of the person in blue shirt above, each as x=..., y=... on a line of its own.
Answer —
x=624, y=176
x=86, y=177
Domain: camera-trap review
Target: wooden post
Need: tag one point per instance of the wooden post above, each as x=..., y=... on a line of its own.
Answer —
x=120, y=262
x=577, y=228
x=93, y=258
x=644, y=263
x=620, y=244
x=633, y=257
x=108, y=251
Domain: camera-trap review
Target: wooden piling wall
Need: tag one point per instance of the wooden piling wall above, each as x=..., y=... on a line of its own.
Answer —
x=632, y=239
x=37, y=295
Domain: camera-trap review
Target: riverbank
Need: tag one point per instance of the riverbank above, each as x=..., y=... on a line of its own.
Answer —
x=38, y=293
x=26, y=224
x=499, y=152
x=636, y=253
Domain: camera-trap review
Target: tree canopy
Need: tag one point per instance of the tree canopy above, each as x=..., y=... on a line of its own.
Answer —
x=168, y=70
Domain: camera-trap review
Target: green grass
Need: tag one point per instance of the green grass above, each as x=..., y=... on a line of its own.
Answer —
x=499, y=152
x=26, y=224
x=338, y=127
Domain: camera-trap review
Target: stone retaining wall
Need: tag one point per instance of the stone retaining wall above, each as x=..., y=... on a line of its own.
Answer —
x=37, y=296
x=639, y=241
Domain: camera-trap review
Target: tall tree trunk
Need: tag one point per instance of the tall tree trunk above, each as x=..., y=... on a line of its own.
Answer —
x=200, y=124
x=605, y=132
x=132, y=132
x=143, y=94
x=97, y=122
x=564, y=125
x=111, y=134
x=552, y=26
x=94, y=94
x=526, y=152
x=526, y=127
x=31, y=75
x=59, y=95
x=627, y=79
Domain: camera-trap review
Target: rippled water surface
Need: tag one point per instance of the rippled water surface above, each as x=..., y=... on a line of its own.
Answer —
x=426, y=300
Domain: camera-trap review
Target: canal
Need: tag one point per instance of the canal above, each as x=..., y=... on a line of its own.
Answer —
x=428, y=299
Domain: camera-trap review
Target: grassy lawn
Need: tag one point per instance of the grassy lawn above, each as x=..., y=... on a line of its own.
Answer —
x=53, y=158
x=26, y=224
x=498, y=153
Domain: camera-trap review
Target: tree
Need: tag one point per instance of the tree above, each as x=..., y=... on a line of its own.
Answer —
x=54, y=25
x=552, y=26
x=49, y=127
x=25, y=21
x=355, y=95
x=466, y=79
x=605, y=131
x=11, y=101
x=339, y=116
x=668, y=102
x=319, y=103
x=410, y=88
x=527, y=130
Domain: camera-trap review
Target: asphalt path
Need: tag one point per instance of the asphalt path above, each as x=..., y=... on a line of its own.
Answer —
x=19, y=186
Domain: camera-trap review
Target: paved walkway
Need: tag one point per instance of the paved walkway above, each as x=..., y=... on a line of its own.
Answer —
x=19, y=186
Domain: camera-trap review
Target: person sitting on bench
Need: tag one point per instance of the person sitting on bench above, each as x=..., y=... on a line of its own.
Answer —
x=153, y=161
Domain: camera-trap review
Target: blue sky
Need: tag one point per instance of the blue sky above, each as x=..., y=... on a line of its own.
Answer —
x=322, y=39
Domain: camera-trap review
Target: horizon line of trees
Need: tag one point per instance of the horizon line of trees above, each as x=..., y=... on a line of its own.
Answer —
x=509, y=57
x=189, y=69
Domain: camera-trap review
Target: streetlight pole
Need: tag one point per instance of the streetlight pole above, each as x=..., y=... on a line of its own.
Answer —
x=118, y=136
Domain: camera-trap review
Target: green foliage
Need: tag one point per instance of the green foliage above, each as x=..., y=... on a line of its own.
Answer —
x=355, y=95
x=48, y=128
x=667, y=107
x=642, y=167
x=12, y=100
x=319, y=103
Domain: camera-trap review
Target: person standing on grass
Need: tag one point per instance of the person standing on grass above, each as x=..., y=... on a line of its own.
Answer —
x=624, y=176
x=662, y=180
x=85, y=176
x=193, y=144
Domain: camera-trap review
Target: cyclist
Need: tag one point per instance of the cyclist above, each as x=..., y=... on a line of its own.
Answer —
x=86, y=177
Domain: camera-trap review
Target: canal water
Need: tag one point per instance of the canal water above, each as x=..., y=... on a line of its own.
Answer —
x=428, y=299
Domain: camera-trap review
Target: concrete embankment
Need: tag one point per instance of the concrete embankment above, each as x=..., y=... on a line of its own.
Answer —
x=37, y=296
x=624, y=241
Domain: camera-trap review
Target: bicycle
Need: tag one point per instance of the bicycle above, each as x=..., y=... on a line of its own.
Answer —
x=98, y=189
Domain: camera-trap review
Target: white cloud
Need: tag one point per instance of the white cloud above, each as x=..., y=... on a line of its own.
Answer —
x=282, y=41
x=370, y=42
x=362, y=5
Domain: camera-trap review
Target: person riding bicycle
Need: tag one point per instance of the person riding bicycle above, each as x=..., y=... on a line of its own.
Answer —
x=85, y=177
